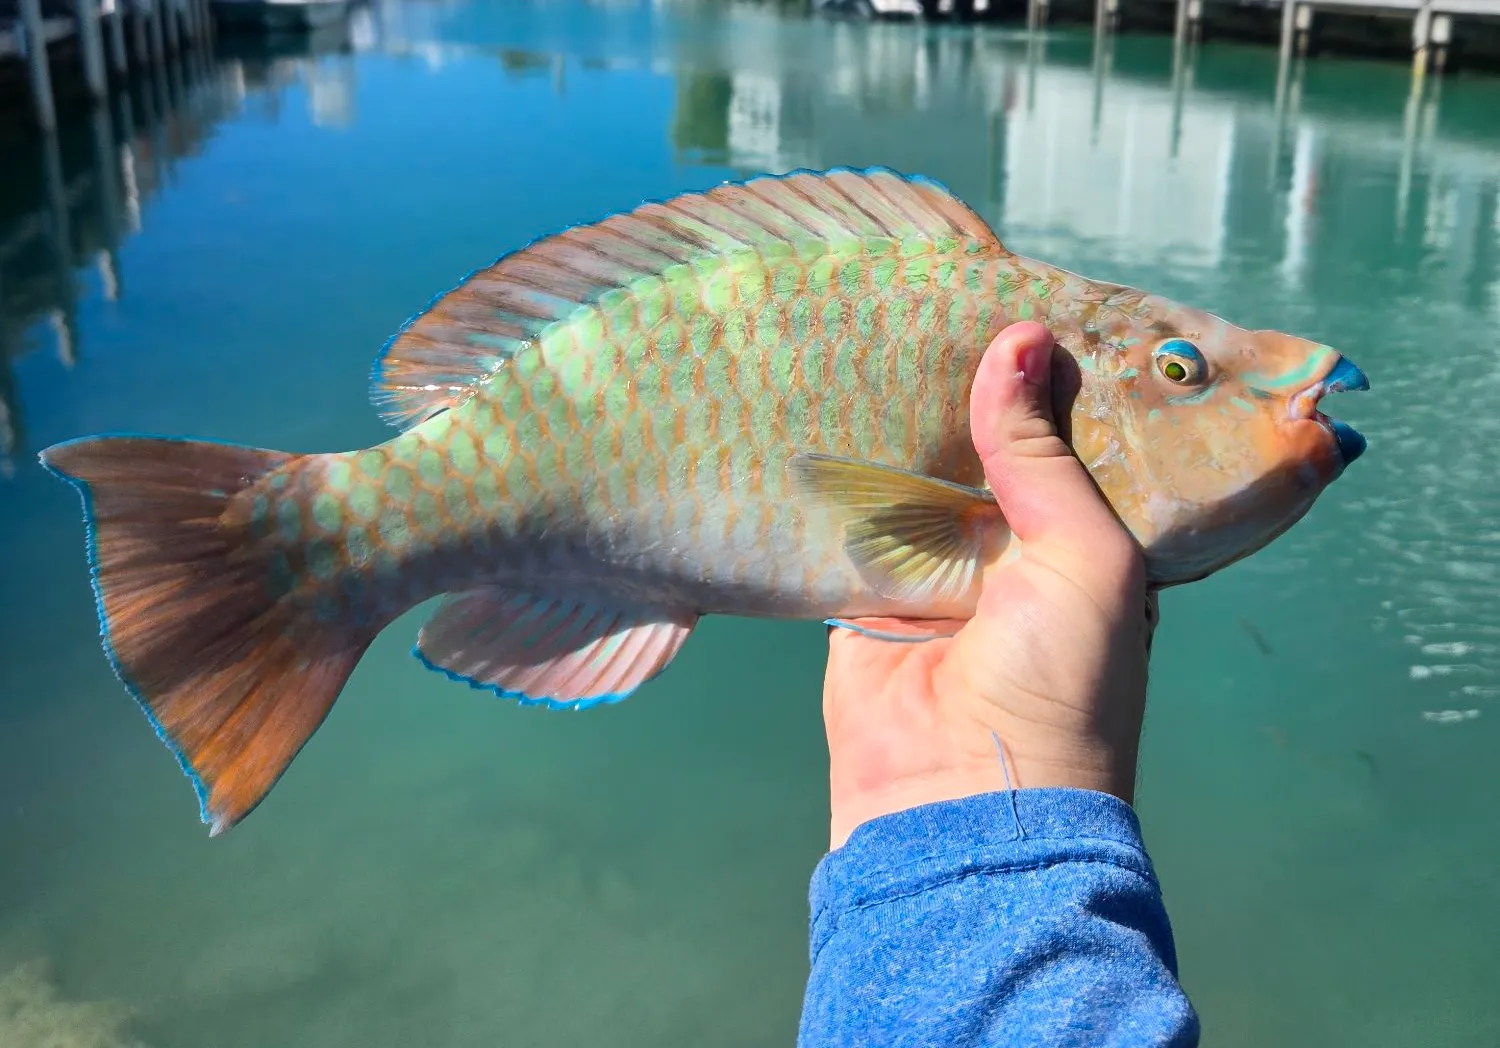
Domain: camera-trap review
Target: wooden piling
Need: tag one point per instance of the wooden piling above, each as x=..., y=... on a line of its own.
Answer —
x=36, y=64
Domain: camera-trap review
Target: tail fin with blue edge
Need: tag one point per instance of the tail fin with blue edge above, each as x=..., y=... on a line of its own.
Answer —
x=233, y=678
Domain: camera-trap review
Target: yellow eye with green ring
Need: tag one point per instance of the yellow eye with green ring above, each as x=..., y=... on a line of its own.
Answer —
x=1179, y=362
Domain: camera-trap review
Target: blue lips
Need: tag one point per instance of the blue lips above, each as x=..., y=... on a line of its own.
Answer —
x=1345, y=378
x=1351, y=444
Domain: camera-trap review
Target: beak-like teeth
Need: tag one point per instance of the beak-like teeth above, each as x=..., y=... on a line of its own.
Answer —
x=1345, y=378
x=1351, y=442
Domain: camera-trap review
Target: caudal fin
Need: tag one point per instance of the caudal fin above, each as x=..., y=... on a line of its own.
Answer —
x=233, y=678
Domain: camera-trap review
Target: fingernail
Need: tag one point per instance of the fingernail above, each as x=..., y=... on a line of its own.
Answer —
x=1036, y=363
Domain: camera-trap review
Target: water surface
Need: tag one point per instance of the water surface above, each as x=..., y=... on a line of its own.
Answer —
x=440, y=867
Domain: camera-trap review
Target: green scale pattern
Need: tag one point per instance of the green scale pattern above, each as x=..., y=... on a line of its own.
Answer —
x=640, y=447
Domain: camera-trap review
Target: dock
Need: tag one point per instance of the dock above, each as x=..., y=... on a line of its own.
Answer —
x=73, y=49
x=81, y=192
x=1434, y=33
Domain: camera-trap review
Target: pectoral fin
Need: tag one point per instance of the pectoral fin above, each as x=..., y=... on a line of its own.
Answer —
x=899, y=631
x=915, y=538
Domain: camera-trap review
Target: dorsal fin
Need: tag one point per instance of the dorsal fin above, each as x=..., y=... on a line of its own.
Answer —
x=439, y=357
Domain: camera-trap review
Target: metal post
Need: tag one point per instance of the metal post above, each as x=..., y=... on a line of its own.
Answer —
x=36, y=63
x=92, y=40
x=1421, y=32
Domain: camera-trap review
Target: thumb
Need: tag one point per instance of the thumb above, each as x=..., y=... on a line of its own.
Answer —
x=1043, y=490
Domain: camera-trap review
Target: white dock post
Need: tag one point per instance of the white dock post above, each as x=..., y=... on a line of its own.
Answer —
x=139, y=33
x=1179, y=29
x=1288, y=30
x=36, y=63
x=107, y=171
x=1304, y=29
x=61, y=230
x=1442, y=35
x=114, y=11
x=92, y=39
x=169, y=17
x=1421, y=32
x=158, y=45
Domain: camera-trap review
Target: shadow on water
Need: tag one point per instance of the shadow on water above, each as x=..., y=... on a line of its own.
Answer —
x=1323, y=714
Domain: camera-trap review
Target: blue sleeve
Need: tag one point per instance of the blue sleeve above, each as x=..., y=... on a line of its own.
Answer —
x=1030, y=917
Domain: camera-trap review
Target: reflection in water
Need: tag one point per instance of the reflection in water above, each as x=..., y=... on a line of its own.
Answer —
x=1331, y=200
x=86, y=186
x=1066, y=150
x=1082, y=154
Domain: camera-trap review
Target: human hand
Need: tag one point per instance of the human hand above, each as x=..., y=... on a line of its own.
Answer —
x=1051, y=668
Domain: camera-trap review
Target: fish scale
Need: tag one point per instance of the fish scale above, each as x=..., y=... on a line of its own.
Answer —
x=749, y=401
x=675, y=438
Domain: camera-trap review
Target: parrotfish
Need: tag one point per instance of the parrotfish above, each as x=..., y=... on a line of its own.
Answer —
x=746, y=401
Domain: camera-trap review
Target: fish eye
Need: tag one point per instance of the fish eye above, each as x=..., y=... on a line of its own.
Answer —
x=1179, y=361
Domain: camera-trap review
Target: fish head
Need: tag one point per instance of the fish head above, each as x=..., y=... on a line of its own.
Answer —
x=1207, y=438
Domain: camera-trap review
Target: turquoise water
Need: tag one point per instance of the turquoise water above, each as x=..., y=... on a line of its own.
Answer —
x=443, y=868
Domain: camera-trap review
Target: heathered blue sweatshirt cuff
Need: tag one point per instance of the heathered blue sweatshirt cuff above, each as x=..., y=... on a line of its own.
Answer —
x=1026, y=917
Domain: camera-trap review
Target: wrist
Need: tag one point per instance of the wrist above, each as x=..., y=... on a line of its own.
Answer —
x=864, y=786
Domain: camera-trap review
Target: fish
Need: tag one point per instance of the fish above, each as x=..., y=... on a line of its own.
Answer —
x=1256, y=636
x=750, y=400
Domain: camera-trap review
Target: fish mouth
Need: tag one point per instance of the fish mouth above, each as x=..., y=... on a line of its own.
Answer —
x=1344, y=377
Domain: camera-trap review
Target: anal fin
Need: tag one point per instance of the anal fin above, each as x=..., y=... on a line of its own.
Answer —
x=548, y=651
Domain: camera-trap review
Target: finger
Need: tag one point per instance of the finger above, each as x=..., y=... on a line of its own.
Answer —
x=1041, y=487
x=1153, y=617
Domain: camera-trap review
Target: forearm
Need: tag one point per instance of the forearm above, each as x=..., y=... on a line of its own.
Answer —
x=1019, y=918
